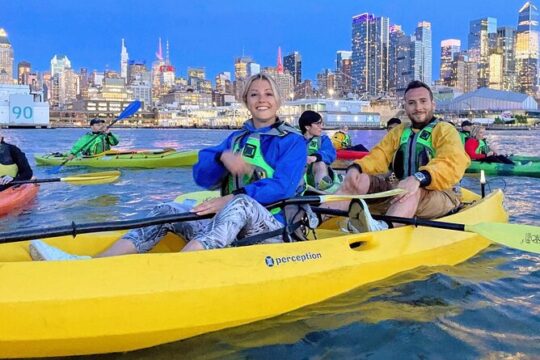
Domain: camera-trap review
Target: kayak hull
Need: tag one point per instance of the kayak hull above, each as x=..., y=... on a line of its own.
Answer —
x=521, y=168
x=16, y=197
x=350, y=154
x=125, y=159
x=83, y=307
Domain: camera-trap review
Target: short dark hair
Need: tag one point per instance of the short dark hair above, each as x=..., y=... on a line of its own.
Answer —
x=415, y=84
x=307, y=118
x=393, y=121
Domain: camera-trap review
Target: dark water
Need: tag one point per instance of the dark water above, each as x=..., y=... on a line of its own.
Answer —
x=487, y=308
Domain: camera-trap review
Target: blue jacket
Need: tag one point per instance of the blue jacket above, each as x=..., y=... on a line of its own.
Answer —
x=327, y=152
x=285, y=154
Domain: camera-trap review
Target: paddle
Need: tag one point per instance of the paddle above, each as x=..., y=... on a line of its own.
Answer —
x=131, y=109
x=517, y=236
x=75, y=229
x=95, y=178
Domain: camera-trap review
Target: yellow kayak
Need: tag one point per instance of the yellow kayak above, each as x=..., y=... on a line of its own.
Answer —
x=137, y=301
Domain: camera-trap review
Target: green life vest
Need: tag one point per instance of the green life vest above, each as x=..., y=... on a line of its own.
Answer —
x=415, y=150
x=314, y=145
x=252, y=154
x=7, y=164
x=483, y=147
x=464, y=135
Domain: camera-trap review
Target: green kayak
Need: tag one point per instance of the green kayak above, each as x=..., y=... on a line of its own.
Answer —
x=525, y=158
x=153, y=158
x=520, y=168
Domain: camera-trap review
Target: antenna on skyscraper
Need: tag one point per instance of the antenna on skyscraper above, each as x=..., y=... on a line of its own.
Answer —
x=279, y=61
x=159, y=53
x=167, y=53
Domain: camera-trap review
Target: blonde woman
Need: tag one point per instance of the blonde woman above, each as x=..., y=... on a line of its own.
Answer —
x=258, y=165
x=478, y=149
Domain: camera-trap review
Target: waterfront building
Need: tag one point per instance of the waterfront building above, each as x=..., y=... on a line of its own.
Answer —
x=21, y=108
x=482, y=38
x=343, y=73
x=370, y=54
x=223, y=83
x=142, y=91
x=505, y=46
x=59, y=63
x=124, y=58
x=449, y=49
x=6, y=59
x=180, y=98
x=23, y=69
x=526, y=49
x=326, y=83
x=425, y=56
x=293, y=64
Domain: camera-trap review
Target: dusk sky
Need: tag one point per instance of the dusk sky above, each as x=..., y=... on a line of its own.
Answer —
x=211, y=33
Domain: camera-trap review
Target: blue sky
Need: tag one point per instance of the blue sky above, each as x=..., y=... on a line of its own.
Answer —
x=211, y=33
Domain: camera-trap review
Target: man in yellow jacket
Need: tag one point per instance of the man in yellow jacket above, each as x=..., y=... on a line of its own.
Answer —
x=427, y=157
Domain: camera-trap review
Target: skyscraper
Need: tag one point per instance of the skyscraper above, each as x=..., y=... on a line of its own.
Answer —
x=449, y=49
x=293, y=64
x=482, y=38
x=6, y=59
x=370, y=54
x=343, y=72
x=23, y=69
x=59, y=63
x=394, y=73
x=124, y=58
x=526, y=49
x=505, y=46
x=423, y=36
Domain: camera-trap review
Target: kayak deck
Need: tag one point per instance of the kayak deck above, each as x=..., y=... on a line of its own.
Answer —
x=16, y=197
x=151, y=158
x=136, y=301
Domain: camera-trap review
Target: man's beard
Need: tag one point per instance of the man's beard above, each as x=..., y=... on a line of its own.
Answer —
x=420, y=125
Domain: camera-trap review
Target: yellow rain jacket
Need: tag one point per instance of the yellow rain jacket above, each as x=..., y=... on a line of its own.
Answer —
x=446, y=168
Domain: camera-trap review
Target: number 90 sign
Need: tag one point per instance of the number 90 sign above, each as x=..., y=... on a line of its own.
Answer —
x=25, y=112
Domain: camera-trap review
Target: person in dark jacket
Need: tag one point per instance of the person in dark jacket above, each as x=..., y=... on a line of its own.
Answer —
x=13, y=164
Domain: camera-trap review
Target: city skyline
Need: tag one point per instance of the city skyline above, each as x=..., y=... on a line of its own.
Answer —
x=222, y=29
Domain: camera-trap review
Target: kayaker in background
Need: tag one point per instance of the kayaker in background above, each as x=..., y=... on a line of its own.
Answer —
x=320, y=151
x=13, y=164
x=100, y=139
x=478, y=149
x=437, y=165
x=342, y=140
x=392, y=123
x=260, y=164
x=465, y=132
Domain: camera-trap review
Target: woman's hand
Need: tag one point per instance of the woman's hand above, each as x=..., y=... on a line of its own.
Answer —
x=235, y=163
x=212, y=206
x=6, y=179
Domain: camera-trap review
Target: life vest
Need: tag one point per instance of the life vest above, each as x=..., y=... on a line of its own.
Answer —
x=314, y=145
x=252, y=154
x=7, y=164
x=415, y=150
x=464, y=135
x=483, y=147
x=341, y=140
x=98, y=145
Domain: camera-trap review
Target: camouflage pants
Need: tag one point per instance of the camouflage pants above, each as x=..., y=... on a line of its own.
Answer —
x=240, y=218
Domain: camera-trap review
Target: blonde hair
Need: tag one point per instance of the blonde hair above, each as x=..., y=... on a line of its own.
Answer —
x=261, y=76
x=475, y=130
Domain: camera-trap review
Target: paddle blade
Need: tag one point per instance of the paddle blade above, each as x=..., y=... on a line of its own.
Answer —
x=517, y=236
x=131, y=109
x=95, y=178
x=329, y=198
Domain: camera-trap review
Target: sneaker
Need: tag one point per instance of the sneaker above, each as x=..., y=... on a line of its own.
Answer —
x=325, y=183
x=360, y=219
x=40, y=251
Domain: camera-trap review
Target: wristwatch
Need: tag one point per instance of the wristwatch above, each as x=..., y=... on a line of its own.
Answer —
x=420, y=177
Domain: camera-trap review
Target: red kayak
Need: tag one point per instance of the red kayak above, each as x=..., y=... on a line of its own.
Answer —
x=350, y=154
x=16, y=197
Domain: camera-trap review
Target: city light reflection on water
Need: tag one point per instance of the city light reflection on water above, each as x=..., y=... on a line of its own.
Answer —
x=487, y=307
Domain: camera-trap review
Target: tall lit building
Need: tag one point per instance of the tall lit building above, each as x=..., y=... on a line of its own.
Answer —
x=240, y=74
x=6, y=59
x=293, y=64
x=343, y=72
x=449, y=49
x=396, y=35
x=253, y=69
x=370, y=54
x=223, y=83
x=505, y=46
x=526, y=49
x=423, y=36
x=326, y=83
x=23, y=69
x=59, y=63
x=124, y=58
x=482, y=38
